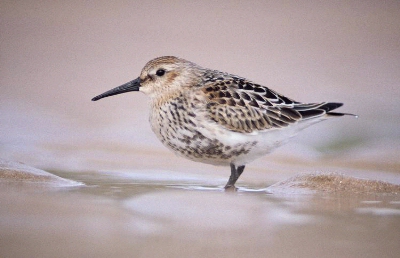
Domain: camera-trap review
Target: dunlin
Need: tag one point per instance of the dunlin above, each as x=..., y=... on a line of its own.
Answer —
x=218, y=118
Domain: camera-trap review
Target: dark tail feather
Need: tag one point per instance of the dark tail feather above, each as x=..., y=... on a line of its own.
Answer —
x=341, y=114
x=316, y=110
x=330, y=106
x=336, y=114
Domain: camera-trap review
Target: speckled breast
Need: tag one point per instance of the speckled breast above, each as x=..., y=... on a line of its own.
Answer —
x=178, y=124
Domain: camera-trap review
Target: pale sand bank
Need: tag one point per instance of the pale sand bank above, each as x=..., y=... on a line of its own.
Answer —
x=333, y=183
x=16, y=172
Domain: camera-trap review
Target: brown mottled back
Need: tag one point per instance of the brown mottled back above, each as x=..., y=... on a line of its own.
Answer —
x=243, y=106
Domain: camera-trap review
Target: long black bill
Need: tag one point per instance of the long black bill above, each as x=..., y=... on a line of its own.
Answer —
x=127, y=87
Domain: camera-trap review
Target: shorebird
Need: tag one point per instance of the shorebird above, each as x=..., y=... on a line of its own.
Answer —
x=218, y=118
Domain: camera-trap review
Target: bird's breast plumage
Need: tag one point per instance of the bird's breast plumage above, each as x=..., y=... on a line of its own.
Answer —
x=182, y=125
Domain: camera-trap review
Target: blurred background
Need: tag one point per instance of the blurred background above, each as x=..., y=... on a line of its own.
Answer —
x=56, y=55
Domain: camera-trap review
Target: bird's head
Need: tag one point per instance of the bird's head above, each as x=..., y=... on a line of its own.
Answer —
x=159, y=77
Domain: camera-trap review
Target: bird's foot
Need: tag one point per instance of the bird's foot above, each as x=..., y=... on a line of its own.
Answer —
x=230, y=188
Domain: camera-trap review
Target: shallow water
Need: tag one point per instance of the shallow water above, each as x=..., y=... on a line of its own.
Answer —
x=127, y=214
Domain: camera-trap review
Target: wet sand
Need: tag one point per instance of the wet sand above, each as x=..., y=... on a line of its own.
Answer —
x=136, y=213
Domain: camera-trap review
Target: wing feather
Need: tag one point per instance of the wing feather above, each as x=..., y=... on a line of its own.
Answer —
x=243, y=106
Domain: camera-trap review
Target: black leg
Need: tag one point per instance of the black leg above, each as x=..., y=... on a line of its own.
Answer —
x=235, y=174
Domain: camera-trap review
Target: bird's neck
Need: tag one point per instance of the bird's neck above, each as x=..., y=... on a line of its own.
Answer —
x=159, y=100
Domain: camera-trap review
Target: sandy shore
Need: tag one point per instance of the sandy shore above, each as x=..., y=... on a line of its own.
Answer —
x=127, y=214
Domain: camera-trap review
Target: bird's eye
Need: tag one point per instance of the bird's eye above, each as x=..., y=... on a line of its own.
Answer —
x=160, y=72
